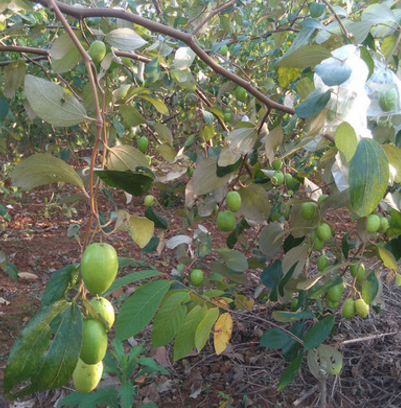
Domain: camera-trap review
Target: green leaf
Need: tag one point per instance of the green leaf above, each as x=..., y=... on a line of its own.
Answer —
x=4, y=108
x=314, y=103
x=370, y=288
x=52, y=103
x=126, y=394
x=367, y=58
x=60, y=283
x=185, y=339
x=346, y=140
x=255, y=203
x=42, y=168
x=274, y=339
x=11, y=270
x=306, y=56
x=125, y=157
x=393, y=154
x=387, y=257
x=235, y=260
x=14, y=75
x=290, y=372
x=205, y=326
x=141, y=230
x=157, y=103
x=285, y=317
x=135, y=184
x=205, y=177
x=333, y=74
x=102, y=396
x=64, y=54
x=368, y=176
x=318, y=333
x=125, y=39
x=139, y=309
x=158, y=221
x=271, y=239
x=325, y=358
x=131, y=116
x=152, y=70
x=169, y=319
x=271, y=276
x=45, y=354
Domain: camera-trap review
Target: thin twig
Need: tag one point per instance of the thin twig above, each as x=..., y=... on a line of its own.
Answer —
x=346, y=33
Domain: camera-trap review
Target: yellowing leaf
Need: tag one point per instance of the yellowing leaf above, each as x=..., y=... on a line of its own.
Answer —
x=221, y=303
x=222, y=332
x=141, y=230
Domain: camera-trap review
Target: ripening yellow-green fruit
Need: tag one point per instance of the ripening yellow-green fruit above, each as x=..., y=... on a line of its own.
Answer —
x=362, y=309
x=86, y=377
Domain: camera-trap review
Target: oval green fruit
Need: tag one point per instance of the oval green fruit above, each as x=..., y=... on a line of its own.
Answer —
x=226, y=220
x=383, y=225
x=105, y=309
x=277, y=164
x=278, y=178
x=288, y=181
x=94, y=341
x=99, y=265
x=373, y=223
x=308, y=210
x=388, y=100
x=240, y=94
x=358, y=271
x=227, y=116
x=294, y=305
x=142, y=143
x=323, y=231
x=86, y=377
x=331, y=303
x=224, y=50
x=362, y=309
x=349, y=309
x=149, y=200
x=322, y=262
x=97, y=51
x=233, y=200
x=318, y=244
x=335, y=293
x=196, y=277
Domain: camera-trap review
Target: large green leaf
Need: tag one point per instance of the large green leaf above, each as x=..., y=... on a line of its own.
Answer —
x=318, y=333
x=368, y=176
x=290, y=372
x=104, y=395
x=306, y=56
x=14, y=75
x=131, y=278
x=185, y=339
x=135, y=184
x=139, y=309
x=52, y=103
x=46, y=352
x=169, y=319
x=64, y=54
x=274, y=339
x=314, y=103
x=393, y=154
x=125, y=39
x=43, y=168
x=125, y=157
x=370, y=287
x=346, y=140
x=60, y=283
x=205, y=326
x=235, y=260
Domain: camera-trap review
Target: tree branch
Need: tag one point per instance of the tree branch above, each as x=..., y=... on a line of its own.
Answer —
x=188, y=39
x=211, y=15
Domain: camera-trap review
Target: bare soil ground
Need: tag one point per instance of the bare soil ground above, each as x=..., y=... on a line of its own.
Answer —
x=246, y=375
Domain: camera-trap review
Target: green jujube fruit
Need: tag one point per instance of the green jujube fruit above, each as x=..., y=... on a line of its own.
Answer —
x=322, y=262
x=99, y=265
x=349, y=308
x=86, y=377
x=97, y=51
x=323, y=231
x=373, y=223
x=225, y=220
x=388, y=100
x=308, y=210
x=335, y=293
x=94, y=341
x=105, y=309
x=233, y=200
x=362, y=309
